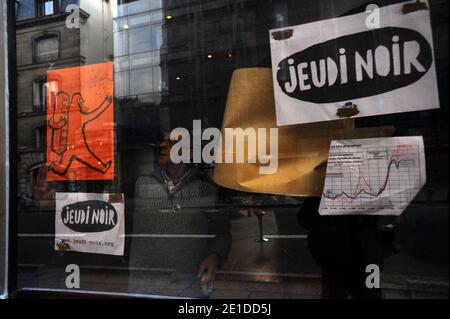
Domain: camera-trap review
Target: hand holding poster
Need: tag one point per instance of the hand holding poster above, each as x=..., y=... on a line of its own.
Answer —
x=379, y=176
x=90, y=223
x=341, y=68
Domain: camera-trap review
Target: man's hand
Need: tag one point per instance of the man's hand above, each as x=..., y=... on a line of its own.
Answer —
x=40, y=187
x=209, y=265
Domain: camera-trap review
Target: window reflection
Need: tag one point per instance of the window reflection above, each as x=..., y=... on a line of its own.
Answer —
x=47, y=48
x=173, y=62
x=138, y=39
x=47, y=7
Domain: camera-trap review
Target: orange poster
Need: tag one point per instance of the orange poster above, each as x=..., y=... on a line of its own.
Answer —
x=80, y=123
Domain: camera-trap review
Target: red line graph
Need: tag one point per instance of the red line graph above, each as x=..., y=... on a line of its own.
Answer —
x=363, y=187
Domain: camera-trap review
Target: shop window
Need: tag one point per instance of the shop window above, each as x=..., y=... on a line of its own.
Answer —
x=99, y=135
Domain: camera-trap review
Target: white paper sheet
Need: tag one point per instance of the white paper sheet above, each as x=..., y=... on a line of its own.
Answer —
x=344, y=67
x=90, y=223
x=378, y=176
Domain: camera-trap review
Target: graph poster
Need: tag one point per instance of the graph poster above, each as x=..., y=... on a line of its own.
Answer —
x=90, y=223
x=346, y=67
x=378, y=176
x=80, y=123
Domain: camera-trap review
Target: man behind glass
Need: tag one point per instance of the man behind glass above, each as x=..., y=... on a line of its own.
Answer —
x=180, y=237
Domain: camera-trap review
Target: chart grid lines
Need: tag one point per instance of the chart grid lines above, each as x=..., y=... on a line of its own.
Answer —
x=372, y=178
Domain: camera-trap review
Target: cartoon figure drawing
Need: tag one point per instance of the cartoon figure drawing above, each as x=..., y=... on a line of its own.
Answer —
x=62, y=137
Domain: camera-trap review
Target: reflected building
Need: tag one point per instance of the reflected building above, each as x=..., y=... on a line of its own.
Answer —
x=140, y=84
x=49, y=38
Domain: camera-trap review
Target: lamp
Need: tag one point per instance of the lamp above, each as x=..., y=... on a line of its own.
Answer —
x=303, y=149
x=251, y=104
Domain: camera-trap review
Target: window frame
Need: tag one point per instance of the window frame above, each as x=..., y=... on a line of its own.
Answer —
x=42, y=105
x=7, y=155
x=8, y=96
x=40, y=8
x=44, y=36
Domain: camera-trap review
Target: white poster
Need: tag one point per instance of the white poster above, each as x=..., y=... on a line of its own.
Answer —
x=90, y=223
x=379, y=176
x=354, y=66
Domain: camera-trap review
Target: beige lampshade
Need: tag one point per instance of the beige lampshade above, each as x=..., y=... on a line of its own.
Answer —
x=303, y=149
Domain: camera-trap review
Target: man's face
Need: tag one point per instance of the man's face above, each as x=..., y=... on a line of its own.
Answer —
x=164, y=150
x=165, y=147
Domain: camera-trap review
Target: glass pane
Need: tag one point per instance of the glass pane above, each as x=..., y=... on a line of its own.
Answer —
x=49, y=8
x=125, y=170
x=140, y=40
x=120, y=43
